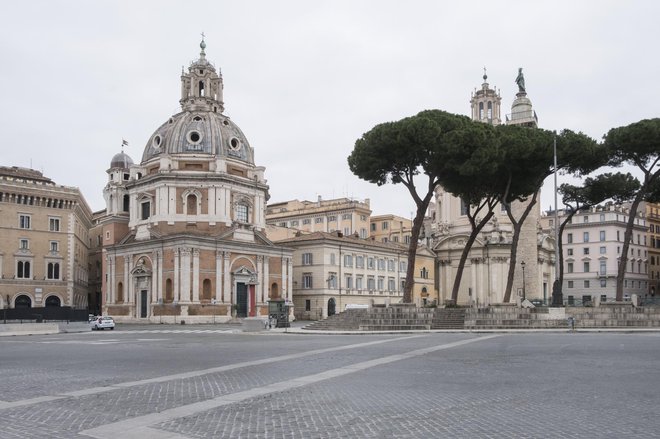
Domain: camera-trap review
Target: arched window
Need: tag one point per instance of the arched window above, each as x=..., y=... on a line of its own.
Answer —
x=490, y=110
x=206, y=289
x=126, y=203
x=481, y=110
x=169, y=297
x=120, y=292
x=201, y=88
x=191, y=204
x=23, y=301
x=53, y=301
x=242, y=212
x=275, y=291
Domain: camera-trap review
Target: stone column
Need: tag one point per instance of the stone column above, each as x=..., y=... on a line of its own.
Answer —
x=226, y=293
x=218, y=276
x=266, y=280
x=195, y=275
x=185, y=275
x=127, y=284
x=176, y=286
x=260, y=280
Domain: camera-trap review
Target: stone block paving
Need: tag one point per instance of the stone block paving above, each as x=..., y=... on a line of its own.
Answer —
x=512, y=386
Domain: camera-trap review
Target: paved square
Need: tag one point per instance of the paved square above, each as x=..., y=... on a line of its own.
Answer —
x=211, y=384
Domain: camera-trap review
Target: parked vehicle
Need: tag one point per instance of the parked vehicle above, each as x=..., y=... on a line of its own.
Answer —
x=102, y=323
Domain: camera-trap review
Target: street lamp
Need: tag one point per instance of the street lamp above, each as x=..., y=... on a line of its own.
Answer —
x=522, y=264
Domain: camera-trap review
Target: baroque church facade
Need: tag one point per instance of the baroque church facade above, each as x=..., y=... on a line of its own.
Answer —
x=183, y=233
x=485, y=274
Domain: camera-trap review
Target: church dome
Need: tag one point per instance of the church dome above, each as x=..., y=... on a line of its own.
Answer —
x=200, y=128
x=199, y=132
x=121, y=160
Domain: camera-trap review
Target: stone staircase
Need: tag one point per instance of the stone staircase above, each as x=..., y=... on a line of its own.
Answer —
x=397, y=317
x=448, y=318
x=348, y=320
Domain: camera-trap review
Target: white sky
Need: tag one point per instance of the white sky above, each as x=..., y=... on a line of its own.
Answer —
x=305, y=79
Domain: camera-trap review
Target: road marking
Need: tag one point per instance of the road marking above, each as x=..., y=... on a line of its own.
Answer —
x=141, y=427
x=192, y=374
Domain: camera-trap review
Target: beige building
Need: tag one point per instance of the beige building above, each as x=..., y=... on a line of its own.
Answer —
x=44, y=241
x=390, y=228
x=183, y=233
x=346, y=215
x=331, y=271
x=592, y=244
x=653, y=241
x=485, y=275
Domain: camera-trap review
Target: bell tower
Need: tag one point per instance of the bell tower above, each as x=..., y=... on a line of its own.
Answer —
x=201, y=87
x=485, y=104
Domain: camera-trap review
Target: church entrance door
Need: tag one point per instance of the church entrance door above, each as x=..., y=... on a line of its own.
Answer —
x=241, y=299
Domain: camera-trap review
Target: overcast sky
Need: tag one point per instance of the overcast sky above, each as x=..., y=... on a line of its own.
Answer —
x=305, y=79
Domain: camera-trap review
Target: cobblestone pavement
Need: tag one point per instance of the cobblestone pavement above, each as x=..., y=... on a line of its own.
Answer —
x=213, y=383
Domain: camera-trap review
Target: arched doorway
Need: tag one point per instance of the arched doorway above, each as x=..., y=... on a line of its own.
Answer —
x=53, y=301
x=331, y=307
x=23, y=301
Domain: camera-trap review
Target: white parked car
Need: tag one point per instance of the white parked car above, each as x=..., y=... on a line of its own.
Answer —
x=102, y=323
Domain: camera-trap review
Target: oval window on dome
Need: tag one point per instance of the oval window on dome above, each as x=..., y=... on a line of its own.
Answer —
x=156, y=142
x=234, y=143
x=197, y=119
x=225, y=122
x=194, y=137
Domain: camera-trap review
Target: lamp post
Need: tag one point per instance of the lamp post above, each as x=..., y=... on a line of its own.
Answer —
x=522, y=264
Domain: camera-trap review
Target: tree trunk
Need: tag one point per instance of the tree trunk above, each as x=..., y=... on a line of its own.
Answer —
x=627, y=237
x=517, y=227
x=412, y=248
x=466, y=251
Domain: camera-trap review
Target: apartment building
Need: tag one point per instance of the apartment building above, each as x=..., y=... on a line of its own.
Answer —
x=44, y=241
x=653, y=240
x=349, y=216
x=390, y=228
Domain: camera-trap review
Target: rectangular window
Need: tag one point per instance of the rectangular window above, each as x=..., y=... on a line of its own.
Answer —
x=602, y=235
x=390, y=265
x=349, y=281
x=359, y=262
x=569, y=267
x=402, y=266
x=569, y=238
x=318, y=220
x=570, y=284
x=585, y=237
x=618, y=235
x=373, y=227
x=385, y=225
x=23, y=270
x=282, y=224
x=603, y=250
x=242, y=213
x=54, y=224
x=585, y=251
x=294, y=223
x=358, y=282
x=307, y=221
x=569, y=252
x=332, y=281
x=307, y=259
x=307, y=280
x=585, y=219
x=370, y=263
x=603, y=268
x=332, y=259
x=391, y=286
x=308, y=305
x=381, y=283
x=23, y=244
x=346, y=216
x=464, y=207
x=586, y=284
x=586, y=267
x=363, y=233
x=348, y=260
x=371, y=283
x=145, y=210
x=54, y=246
x=332, y=218
x=53, y=270
x=24, y=221
x=381, y=264
x=363, y=217
x=602, y=217
x=347, y=231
